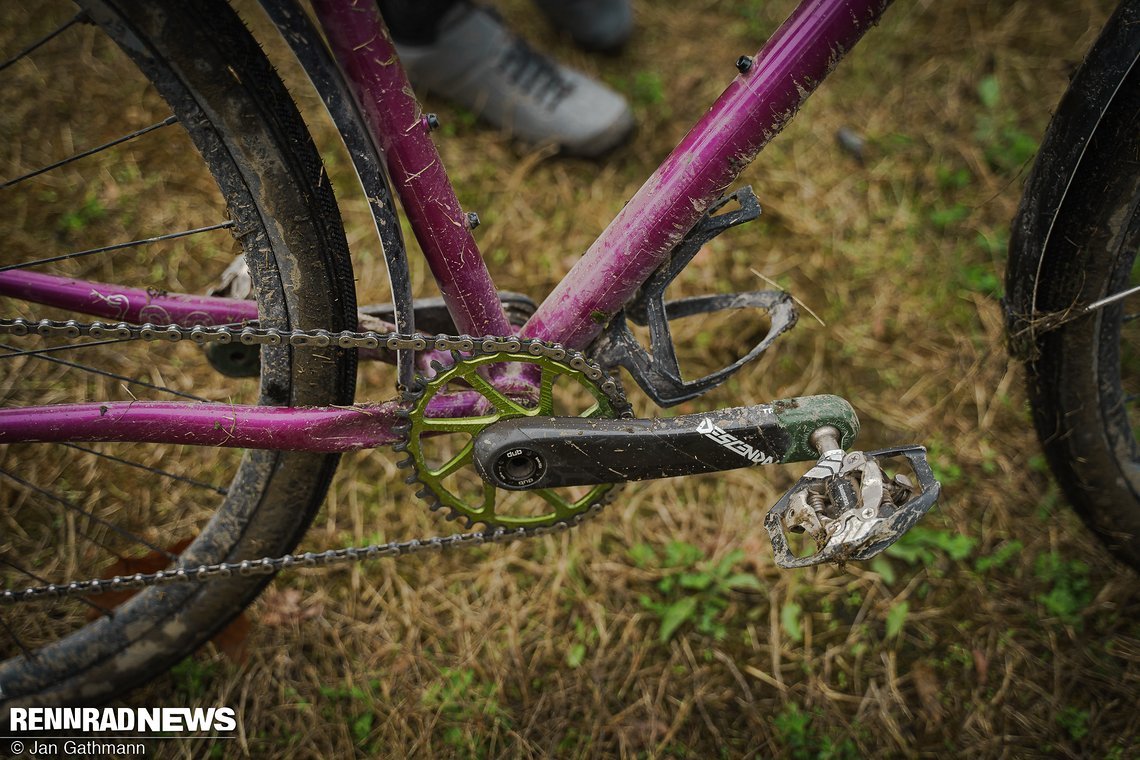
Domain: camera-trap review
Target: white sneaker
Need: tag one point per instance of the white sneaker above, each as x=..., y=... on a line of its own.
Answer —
x=477, y=63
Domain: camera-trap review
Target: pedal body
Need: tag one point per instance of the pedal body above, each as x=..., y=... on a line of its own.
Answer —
x=850, y=508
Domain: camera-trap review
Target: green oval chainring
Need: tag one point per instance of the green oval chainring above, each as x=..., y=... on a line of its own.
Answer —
x=445, y=467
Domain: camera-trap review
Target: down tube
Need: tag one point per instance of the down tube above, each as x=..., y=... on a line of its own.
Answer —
x=750, y=112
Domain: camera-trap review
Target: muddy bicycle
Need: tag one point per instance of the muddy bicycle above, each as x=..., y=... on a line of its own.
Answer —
x=509, y=416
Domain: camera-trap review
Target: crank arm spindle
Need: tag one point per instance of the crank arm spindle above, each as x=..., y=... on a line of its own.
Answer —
x=543, y=452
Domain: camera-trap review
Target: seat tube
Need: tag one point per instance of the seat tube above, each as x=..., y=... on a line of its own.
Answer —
x=751, y=111
x=366, y=53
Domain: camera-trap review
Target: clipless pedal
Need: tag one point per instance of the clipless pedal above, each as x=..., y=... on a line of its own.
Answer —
x=848, y=504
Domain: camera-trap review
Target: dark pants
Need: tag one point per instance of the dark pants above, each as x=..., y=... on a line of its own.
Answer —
x=414, y=22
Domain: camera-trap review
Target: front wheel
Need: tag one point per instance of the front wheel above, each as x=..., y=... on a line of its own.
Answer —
x=1073, y=260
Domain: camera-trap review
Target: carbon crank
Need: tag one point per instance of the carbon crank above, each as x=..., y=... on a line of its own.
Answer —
x=845, y=503
x=542, y=452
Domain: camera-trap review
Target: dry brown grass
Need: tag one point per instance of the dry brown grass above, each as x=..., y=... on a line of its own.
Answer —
x=547, y=649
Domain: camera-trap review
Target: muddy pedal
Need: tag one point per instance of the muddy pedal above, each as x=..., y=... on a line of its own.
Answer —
x=849, y=507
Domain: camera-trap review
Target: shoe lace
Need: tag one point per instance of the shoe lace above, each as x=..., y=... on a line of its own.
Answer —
x=534, y=74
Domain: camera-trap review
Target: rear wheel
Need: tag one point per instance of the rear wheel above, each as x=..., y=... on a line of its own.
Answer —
x=236, y=152
x=1074, y=245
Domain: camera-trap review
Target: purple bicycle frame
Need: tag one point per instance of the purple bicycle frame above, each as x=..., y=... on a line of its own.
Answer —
x=751, y=111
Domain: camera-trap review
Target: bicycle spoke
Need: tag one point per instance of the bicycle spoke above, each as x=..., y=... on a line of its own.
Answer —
x=164, y=473
x=112, y=375
x=1112, y=299
x=118, y=246
x=81, y=16
x=123, y=532
x=66, y=347
x=91, y=151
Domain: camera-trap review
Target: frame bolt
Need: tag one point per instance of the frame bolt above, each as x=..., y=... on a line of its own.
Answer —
x=744, y=63
x=432, y=121
x=472, y=220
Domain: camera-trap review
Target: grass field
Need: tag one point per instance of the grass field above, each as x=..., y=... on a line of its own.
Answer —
x=997, y=628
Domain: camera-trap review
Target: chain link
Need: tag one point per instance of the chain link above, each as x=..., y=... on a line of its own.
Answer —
x=249, y=335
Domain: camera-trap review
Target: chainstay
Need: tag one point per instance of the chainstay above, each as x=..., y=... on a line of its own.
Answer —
x=348, y=339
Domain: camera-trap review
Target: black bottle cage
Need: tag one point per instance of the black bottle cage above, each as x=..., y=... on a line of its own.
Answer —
x=657, y=371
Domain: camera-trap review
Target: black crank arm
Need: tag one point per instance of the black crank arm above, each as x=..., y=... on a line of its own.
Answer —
x=542, y=452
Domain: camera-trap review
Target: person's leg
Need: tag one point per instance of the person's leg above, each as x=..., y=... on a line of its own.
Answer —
x=469, y=57
x=603, y=25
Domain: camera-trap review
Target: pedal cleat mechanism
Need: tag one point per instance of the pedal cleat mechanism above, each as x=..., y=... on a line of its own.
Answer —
x=848, y=504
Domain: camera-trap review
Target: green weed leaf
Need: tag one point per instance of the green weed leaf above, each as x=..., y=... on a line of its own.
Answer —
x=999, y=558
x=682, y=554
x=919, y=544
x=675, y=616
x=727, y=562
x=696, y=581
x=989, y=91
x=362, y=727
x=896, y=618
x=958, y=546
x=742, y=581
x=643, y=555
x=882, y=566
x=944, y=217
x=1074, y=721
x=790, y=621
x=1070, y=590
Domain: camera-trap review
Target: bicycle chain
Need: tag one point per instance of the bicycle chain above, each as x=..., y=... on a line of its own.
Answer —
x=247, y=335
